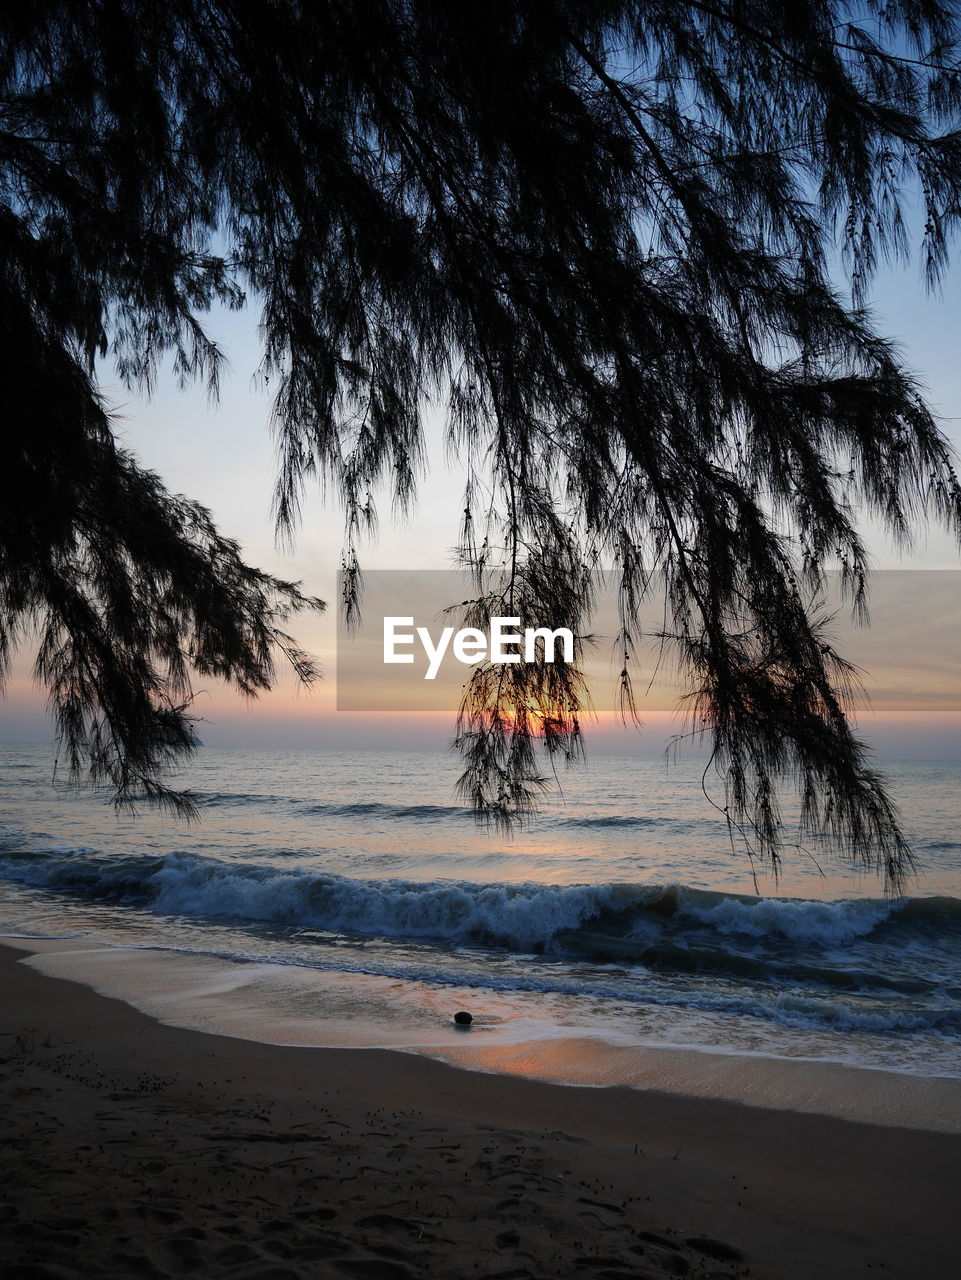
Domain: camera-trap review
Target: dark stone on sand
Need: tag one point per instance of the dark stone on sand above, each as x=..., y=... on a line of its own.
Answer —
x=463, y=1019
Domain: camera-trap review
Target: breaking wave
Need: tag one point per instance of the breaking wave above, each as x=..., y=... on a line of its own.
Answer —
x=871, y=965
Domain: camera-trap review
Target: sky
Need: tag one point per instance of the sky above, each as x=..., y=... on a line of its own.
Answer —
x=223, y=456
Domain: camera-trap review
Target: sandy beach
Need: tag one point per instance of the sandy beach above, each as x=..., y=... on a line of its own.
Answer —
x=138, y=1149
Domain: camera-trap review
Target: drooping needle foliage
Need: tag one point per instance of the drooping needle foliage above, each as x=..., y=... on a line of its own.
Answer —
x=611, y=237
x=125, y=589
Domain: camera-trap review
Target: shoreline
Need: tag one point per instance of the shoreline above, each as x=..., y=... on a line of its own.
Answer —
x=168, y=1150
x=303, y=1008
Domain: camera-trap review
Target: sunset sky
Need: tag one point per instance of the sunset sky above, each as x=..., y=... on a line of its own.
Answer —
x=224, y=457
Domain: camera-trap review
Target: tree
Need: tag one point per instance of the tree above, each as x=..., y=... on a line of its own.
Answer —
x=603, y=234
x=128, y=587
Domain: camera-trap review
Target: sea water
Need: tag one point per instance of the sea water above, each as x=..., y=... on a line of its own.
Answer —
x=347, y=898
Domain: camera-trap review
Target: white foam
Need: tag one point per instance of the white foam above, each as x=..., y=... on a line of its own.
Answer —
x=827, y=923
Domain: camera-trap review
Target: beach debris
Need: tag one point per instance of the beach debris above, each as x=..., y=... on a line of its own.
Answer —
x=463, y=1019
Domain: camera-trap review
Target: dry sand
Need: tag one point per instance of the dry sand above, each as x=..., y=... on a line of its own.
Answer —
x=136, y=1149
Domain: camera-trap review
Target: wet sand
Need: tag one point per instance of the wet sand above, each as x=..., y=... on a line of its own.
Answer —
x=134, y=1148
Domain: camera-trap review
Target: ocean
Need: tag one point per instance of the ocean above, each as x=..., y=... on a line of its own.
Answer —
x=346, y=899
